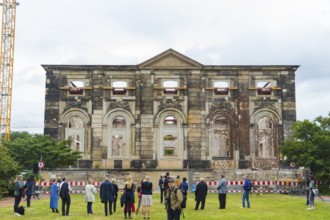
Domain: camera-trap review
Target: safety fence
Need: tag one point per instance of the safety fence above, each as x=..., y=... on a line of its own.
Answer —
x=294, y=187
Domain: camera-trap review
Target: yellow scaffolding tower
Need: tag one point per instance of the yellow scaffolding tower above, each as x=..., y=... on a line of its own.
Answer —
x=7, y=64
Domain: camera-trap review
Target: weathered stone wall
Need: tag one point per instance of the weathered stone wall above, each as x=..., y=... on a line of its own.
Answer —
x=249, y=141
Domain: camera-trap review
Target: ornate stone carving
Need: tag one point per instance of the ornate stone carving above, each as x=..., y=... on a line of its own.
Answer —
x=168, y=103
x=264, y=104
x=75, y=104
x=220, y=105
x=265, y=164
x=123, y=105
x=222, y=164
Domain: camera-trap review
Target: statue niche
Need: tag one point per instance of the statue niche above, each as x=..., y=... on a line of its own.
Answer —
x=221, y=138
x=265, y=138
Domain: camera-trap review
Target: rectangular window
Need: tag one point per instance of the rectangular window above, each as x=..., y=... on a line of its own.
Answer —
x=169, y=151
x=264, y=87
x=170, y=87
x=76, y=87
x=119, y=88
x=221, y=88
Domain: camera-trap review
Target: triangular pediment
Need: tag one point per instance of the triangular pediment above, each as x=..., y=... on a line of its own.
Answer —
x=171, y=59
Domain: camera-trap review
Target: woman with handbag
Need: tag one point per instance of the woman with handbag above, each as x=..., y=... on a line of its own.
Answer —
x=311, y=188
x=90, y=190
x=139, y=191
x=129, y=196
x=18, y=190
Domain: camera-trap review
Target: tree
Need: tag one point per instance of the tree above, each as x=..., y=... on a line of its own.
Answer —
x=8, y=165
x=310, y=144
x=27, y=149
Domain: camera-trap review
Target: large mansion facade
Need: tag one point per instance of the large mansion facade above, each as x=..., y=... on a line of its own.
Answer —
x=171, y=112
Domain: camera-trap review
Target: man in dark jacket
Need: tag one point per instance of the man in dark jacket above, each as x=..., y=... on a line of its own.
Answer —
x=200, y=193
x=107, y=195
x=65, y=196
x=29, y=189
x=161, y=184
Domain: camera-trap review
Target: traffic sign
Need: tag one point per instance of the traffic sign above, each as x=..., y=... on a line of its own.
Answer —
x=41, y=165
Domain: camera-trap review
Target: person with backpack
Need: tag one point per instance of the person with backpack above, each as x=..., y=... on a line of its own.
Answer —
x=247, y=187
x=200, y=194
x=184, y=189
x=222, y=191
x=173, y=200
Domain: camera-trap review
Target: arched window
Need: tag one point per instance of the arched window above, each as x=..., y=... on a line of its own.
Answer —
x=170, y=136
x=118, y=136
x=75, y=131
x=265, y=137
x=221, y=138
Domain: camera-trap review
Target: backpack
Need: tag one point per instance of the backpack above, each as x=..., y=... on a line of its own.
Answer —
x=21, y=210
x=249, y=186
x=184, y=200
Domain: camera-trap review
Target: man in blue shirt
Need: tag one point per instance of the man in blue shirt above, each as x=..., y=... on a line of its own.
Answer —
x=222, y=191
x=247, y=186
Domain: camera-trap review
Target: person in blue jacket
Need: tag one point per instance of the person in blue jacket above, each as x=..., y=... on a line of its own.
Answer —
x=29, y=189
x=247, y=186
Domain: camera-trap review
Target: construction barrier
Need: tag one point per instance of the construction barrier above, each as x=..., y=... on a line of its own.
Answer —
x=232, y=186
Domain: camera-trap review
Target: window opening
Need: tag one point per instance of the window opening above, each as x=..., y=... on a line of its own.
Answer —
x=221, y=88
x=264, y=88
x=170, y=87
x=119, y=88
x=76, y=87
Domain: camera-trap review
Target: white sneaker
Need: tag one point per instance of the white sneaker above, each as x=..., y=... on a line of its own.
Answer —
x=309, y=209
x=17, y=214
x=312, y=208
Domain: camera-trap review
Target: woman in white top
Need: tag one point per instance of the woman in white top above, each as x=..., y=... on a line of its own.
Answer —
x=90, y=190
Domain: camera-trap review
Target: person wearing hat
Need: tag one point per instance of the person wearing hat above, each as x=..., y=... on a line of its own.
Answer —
x=173, y=202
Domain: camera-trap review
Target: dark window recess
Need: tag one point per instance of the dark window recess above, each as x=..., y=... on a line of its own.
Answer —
x=171, y=91
x=221, y=91
x=265, y=90
x=75, y=90
x=119, y=91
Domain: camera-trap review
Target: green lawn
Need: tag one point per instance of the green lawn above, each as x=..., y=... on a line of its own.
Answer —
x=267, y=206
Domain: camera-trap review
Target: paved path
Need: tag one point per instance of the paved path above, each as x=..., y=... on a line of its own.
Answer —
x=9, y=201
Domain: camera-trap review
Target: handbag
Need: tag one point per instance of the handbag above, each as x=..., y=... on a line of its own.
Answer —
x=315, y=191
x=122, y=199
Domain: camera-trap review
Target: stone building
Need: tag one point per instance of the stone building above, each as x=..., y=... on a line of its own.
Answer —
x=171, y=112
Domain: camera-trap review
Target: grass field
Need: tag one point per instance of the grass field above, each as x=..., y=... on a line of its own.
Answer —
x=267, y=206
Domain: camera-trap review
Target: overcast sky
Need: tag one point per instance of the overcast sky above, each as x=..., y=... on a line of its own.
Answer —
x=212, y=32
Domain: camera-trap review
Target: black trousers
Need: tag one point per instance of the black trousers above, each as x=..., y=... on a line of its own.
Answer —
x=66, y=203
x=17, y=201
x=198, y=202
x=222, y=201
x=162, y=192
x=115, y=203
x=106, y=208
